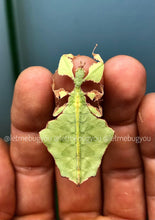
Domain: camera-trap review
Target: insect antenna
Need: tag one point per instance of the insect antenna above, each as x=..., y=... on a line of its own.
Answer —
x=94, y=49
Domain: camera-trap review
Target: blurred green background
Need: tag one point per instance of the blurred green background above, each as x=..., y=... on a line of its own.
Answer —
x=37, y=32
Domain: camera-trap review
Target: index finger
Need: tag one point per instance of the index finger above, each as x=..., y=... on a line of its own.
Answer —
x=31, y=109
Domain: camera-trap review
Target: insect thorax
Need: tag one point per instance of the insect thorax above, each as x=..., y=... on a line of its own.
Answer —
x=79, y=74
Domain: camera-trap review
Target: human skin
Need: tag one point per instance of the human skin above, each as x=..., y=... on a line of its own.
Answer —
x=124, y=185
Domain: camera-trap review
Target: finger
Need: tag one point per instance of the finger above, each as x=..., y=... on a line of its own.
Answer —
x=7, y=184
x=85, y=201
x=146, y=127
x=80, y=203
x=125, y=83
x=123, y=195
x=31, y=109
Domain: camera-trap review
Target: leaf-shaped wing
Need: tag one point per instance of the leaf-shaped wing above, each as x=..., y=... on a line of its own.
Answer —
x=95, y=72
x=66, y=65
x=96, y=69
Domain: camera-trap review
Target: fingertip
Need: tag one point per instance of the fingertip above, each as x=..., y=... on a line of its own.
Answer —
x=125, y=83
x=33, y=99
x=126, y=75
x=146, y=115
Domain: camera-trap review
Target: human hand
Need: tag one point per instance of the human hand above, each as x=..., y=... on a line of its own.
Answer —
x=124, y=186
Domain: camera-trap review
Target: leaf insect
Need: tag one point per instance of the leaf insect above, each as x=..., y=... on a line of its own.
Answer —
x=78, y=137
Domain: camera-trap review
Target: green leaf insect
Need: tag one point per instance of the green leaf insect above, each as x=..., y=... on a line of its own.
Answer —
x=77, y=138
